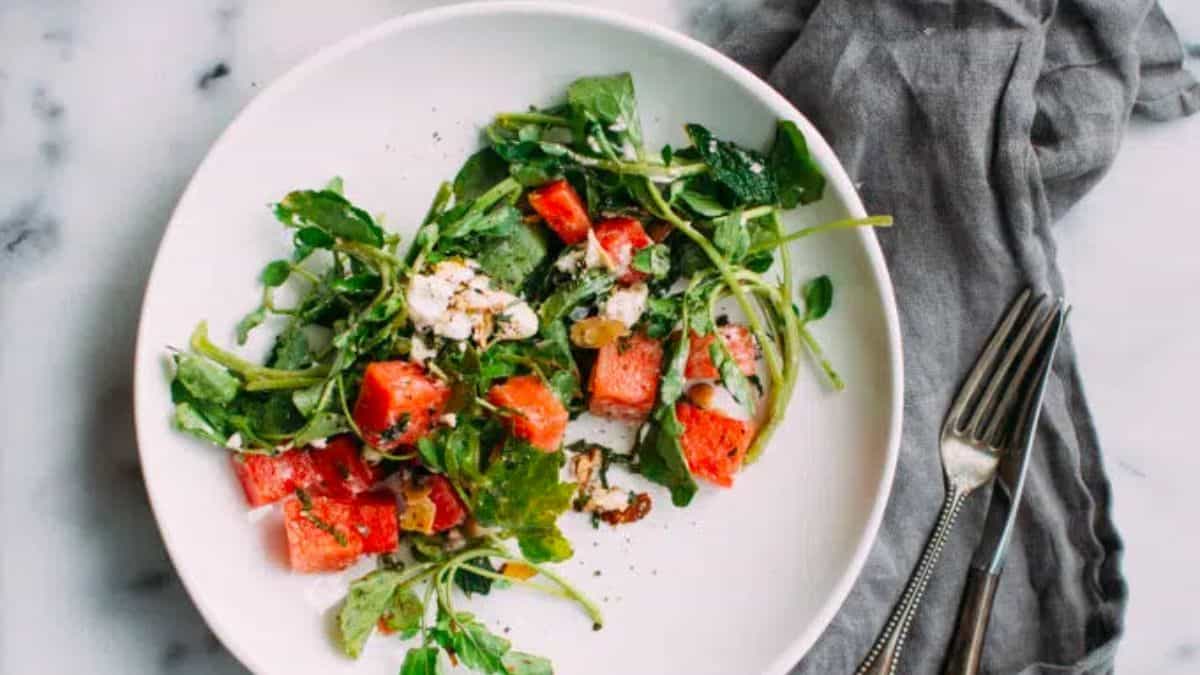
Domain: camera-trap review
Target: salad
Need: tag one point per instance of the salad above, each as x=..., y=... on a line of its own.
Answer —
x=415, y=400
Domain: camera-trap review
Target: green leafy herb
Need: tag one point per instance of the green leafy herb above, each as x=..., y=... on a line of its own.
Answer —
x=586, y=286
x=610, y=101
x=654, y=260
x=329, y=211
x=730, y=236
x=472, y=583
x=422, y=661
x=520, y=493
x=205, y=379
x=797, y=178
x=731, y=375
x=276, y=272
x=481, y=172
x=661, y=315
x=510, y=261
x=249, y=322
x=474, y=645
x=660, y=452
x=744, y=173
x=370, y=598
x=520, y=663
x=818, y=298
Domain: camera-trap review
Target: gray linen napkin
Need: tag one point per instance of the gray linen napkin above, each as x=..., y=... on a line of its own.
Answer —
x=976, y=123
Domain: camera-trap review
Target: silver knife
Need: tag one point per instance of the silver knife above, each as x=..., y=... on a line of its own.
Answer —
x=984, y=576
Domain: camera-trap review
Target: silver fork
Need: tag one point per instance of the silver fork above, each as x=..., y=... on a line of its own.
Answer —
x=971, y=444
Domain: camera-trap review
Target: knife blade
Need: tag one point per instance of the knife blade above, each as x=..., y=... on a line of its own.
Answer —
x=1010, y=479
x=983, y=578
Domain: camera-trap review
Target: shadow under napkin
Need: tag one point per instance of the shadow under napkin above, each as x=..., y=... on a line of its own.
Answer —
x=976, y=123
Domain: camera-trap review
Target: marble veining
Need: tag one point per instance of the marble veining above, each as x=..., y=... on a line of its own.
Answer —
x=105, y=111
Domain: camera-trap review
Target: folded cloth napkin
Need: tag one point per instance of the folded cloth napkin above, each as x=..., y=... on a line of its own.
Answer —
x=976, y=123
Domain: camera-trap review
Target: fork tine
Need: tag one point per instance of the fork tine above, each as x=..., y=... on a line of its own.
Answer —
x=994, y=432
x=984, y=363
x=1034, y=318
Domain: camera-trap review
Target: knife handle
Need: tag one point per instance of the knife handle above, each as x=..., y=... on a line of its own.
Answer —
x=966, y=651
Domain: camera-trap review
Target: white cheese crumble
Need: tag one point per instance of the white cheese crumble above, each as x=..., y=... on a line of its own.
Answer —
x=456, y=301
x=756, y=168
x=234, y=442
x=626, y=305
x=318, y=443
x=449, y=420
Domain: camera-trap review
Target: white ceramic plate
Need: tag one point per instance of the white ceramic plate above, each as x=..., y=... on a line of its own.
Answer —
x=744, y=580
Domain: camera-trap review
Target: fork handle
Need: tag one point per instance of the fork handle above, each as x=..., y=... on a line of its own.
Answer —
x=966, y=650
x=884, y=657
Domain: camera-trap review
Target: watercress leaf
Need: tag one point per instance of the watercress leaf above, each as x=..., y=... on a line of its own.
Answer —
x=368, y=599
x=660, y=456
x=668, y=154
x=609, y=100
x=422, y=661
x=661, y=315
x=520, y=663
x=205, y=379
x=654, y=260
x=742, y=172
x=497, y=223
x=290, y=351
x=478, y=174
x=430, y=452
x=189, y=419
x=321, y=425
x=511, y=260
x=671, y=386
x=307, y=399
x=474, y=645
x=337, y=185
x=249, y=322
x=798, y=180
x=357, y=284
x=403, y=613
x=312, y=238
x=276, y=273
x=730, y=236
x=331, y=212
x=732, y=376
x=818, y=297
x=582, y=288
x=704, y=205
x=759, y=262
x=470, y=582
x=521, y=495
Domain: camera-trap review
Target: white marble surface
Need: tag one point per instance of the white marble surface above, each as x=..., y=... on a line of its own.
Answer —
x=105, y=111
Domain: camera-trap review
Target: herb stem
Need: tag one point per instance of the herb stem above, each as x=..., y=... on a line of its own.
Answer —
x=770, y=352
x=846, y=223
x=253, y=374
x=440, y=200
x=511, y=118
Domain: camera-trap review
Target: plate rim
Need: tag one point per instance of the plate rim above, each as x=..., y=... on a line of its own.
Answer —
x=799, y=646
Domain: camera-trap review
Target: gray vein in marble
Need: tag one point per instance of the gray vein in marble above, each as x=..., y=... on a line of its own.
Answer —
x=26, y=234
x=216, y=72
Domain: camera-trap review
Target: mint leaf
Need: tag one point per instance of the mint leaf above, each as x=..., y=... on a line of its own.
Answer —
x=743, y=173
x=478, y=174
